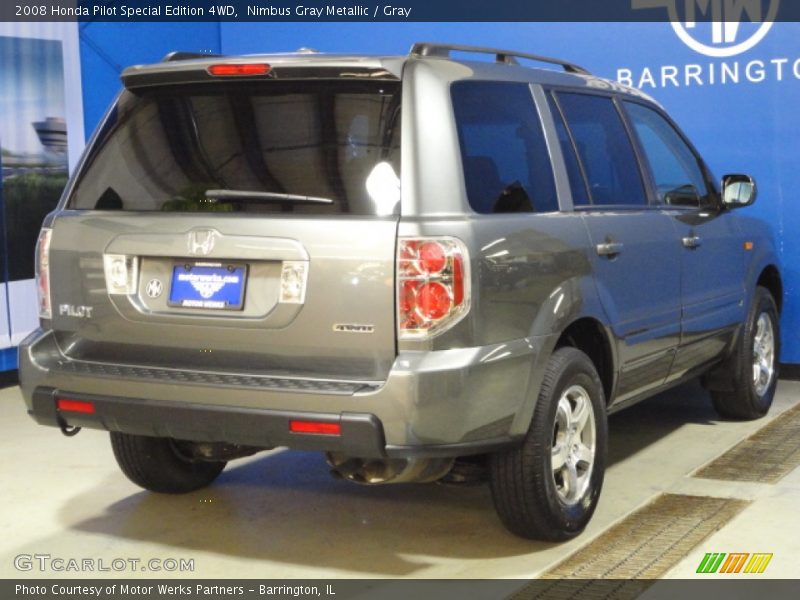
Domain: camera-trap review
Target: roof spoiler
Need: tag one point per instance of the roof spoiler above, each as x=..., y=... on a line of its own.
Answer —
x=193, y=67
x=183, y=55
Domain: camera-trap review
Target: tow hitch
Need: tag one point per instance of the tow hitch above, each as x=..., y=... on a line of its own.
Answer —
x=66, y=429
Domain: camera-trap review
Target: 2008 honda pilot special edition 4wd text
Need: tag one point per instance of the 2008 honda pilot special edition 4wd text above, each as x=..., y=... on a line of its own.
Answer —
x=429, y=268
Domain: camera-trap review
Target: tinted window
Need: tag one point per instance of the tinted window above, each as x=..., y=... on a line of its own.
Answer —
x=677, y=174
x=604, y=149
x=506, y=163
x=167, y=147
x=577, y=182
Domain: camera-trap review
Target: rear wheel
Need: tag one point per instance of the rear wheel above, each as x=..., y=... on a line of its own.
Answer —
x=161, y=464
x=753, y=368
x=548, y=487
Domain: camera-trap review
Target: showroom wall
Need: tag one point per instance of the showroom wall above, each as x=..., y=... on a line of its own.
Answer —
x=733, y=89
x=41, y=138
x=107, y=48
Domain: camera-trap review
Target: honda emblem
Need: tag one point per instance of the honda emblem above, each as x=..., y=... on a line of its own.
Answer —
x=201, y=241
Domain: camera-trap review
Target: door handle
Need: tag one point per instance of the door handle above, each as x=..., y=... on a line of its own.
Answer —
x=609, y=249
x=691, y=242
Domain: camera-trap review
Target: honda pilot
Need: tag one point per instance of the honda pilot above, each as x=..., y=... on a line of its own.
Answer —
x=432, y=267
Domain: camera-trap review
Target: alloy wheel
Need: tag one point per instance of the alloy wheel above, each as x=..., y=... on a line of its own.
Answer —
x=763, y=354
x=574, y=444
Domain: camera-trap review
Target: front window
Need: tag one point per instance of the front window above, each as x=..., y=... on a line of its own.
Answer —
x=676, y=170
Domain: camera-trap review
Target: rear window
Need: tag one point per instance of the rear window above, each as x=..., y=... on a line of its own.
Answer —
x=276, y=146
x=506, y=164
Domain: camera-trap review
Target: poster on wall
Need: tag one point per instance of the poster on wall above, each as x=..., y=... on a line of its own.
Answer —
x=35, y=157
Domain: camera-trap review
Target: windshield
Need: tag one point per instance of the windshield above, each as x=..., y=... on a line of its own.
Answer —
x=267, y=145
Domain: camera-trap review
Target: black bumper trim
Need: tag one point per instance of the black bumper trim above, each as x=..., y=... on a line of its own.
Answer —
x=361, y=433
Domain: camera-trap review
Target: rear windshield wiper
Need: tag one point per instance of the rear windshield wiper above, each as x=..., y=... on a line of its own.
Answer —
x=246, y=196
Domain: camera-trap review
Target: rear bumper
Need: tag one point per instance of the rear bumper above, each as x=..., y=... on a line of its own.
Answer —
x=361, y=434
x=445, y=403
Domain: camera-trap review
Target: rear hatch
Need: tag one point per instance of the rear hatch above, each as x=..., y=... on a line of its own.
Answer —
x=244, y=225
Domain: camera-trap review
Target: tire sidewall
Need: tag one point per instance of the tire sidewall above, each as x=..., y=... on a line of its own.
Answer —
x=763, y=303
x=154, y=464
x=580, y=371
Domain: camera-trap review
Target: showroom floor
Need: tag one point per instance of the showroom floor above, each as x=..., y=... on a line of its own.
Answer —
x=281, y=515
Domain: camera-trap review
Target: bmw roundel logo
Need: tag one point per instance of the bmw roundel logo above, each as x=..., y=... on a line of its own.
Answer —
x=154, y=288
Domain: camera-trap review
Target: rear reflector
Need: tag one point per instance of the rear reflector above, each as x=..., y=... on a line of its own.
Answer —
x=77, y=406
x=239, y=70
x=315, y=427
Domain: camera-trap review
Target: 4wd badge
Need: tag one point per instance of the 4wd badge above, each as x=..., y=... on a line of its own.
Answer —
x=353, y=328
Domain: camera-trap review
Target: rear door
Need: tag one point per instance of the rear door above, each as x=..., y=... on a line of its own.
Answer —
x=635, y=254
x=229, y=225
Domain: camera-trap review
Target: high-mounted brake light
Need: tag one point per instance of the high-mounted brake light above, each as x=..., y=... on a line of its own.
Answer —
x=239, y=70
x=43, y=273
x=315, y=427
x=432, y=285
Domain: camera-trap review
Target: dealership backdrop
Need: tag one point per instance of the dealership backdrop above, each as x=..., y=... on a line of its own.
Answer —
x=40, y=86
x=740, y=110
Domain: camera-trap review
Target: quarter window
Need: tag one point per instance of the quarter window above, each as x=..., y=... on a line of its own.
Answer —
x=506, y=163
x=604, y=149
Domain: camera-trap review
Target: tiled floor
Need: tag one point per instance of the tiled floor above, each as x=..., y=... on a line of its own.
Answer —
x=280, y=515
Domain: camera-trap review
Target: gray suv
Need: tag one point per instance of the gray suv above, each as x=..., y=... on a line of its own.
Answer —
x=430, y=268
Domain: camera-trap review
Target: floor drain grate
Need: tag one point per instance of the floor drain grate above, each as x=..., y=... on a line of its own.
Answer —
x=641, y=547
x=765, y=457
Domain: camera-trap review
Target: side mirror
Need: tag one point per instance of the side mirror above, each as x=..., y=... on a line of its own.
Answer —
x=738, y=190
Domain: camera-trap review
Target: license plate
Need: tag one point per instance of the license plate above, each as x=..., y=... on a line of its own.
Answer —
x=211, y=286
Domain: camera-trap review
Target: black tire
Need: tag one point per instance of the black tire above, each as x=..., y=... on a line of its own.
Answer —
x=156, y=464
x=527, y=494
x=743, y=399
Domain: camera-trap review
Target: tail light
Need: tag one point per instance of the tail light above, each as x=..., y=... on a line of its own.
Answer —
x=432, y=285
x=43, y=273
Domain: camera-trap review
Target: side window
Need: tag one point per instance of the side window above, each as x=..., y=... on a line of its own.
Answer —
x=506, y=163
x=675, y=168
x=577, y=182
x=604, y=149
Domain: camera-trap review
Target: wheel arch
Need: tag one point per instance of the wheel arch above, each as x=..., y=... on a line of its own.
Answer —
x=571, y=315
x=591, y=337
x=770, y=278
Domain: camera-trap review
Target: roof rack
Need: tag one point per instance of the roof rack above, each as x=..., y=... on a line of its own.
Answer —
x=502, y=56
x=181, y=55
